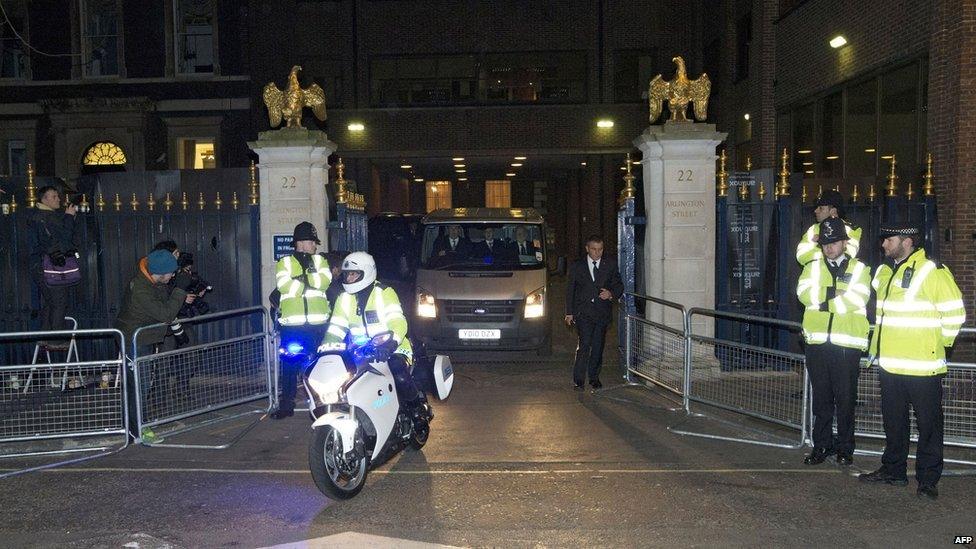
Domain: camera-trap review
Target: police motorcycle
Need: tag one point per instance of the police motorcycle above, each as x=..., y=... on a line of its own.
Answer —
x=357, y=413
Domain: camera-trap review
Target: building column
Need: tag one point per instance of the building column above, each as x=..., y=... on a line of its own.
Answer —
x=951, y=119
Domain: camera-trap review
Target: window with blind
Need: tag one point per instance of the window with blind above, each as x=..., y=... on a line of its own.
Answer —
x=498, y=194
x=438, y=195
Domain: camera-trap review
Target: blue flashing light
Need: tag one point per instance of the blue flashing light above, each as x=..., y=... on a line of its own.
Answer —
x=293, y=348
x=360, y=340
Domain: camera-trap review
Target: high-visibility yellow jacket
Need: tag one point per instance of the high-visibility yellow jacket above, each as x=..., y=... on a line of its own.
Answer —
x=808, y=250
x=845, y=323
x=303, y=299
x=920, y=311
x=381, y=313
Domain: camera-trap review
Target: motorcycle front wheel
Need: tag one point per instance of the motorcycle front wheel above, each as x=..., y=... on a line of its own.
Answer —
x=334, y=476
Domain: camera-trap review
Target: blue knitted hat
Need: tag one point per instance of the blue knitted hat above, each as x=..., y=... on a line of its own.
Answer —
x=161, y=262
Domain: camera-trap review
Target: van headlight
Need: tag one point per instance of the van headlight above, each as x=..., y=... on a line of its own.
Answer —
x=535, y=304
x=425, y=305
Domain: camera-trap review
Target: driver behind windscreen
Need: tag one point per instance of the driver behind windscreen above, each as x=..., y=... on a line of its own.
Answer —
x=366, y=308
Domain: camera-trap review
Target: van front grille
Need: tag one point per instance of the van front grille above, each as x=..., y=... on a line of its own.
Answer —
x=500, y=311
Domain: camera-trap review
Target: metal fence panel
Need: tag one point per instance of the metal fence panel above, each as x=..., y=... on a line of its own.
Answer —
x=656, y=354
x=210, y=376
x=82, y=396
x=958, y=402
x=768, y=384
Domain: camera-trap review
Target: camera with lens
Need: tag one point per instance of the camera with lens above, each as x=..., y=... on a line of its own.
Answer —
x=185, y=260
x=199, y=307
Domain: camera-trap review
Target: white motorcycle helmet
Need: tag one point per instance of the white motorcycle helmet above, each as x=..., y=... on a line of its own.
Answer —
x=362, y=263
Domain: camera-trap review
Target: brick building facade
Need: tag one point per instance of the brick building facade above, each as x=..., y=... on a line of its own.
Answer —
x=418, y=77
x=793, y=69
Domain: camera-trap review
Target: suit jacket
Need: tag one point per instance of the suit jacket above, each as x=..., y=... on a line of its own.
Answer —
x=499, y=248
x=529, y=247
x=462, y=250
x=583, y=293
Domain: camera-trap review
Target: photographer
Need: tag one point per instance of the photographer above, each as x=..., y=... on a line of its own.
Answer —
x=51, y=238
x=185, y=279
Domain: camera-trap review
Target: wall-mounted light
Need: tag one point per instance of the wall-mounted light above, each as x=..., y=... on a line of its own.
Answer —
x=833, y=157
x=461, y=171
x=809, y=172
x=837, y=41
x=462, y=179
x=458, y=159
x=869, y=150
x=356, y=126
x=406, y=166
x=510, y=174
x=604, y=123
x=582, y=163
x=746, y=116
x=516, y=164
x=459, y=165
x=808, y=163
x=520, y=158
x=804, y=151
x=419, y=179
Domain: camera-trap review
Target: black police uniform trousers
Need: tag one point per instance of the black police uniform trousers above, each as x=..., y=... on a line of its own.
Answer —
x=833, y=375
x=924, y=393
x=589, y=350
x=310, y=336
x=408, y=391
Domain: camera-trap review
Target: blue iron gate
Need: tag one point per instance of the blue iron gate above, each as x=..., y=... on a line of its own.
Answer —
x=761, y=217
x=221, y=232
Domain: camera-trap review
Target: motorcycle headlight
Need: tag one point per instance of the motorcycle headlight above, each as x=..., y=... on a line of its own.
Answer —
x=426, y=308
x=535, y=304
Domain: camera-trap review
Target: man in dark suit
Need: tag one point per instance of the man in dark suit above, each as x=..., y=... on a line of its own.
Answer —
x=523, y=246
x=594, y=284
x=453, y=246
x=490, y=247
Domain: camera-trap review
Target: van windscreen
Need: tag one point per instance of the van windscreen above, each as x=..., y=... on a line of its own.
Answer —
x=483, y=246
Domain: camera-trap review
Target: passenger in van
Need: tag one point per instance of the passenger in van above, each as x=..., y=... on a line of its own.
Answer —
x=454, y=245
x=491, y=247
x=523, y=246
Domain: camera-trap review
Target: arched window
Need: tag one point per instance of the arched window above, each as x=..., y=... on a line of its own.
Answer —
x=104, y=153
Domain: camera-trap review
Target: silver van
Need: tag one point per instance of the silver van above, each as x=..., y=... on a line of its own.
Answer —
x=482, y=281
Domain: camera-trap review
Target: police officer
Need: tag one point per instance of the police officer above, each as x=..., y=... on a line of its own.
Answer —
x=302, y=278
x=919, y=313
x=368, y=307
x=829, y=205
x=834, y=291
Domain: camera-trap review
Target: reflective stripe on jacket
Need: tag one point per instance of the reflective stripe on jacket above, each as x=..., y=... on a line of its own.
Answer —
x=845, y=323
x=808, y=250
x=382, y=313
x=301, y=303
x=920, y=311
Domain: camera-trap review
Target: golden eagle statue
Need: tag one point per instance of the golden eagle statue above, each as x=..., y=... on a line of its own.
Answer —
x=288, y=104
x=679, y=92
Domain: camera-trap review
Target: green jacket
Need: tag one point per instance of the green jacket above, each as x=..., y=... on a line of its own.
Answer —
x=845, y=321
x=146, y=303
x=303, y=291
x=920, y=311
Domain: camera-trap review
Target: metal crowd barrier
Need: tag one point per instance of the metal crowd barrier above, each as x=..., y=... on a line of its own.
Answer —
x=658, y=351
x=237, y=368
x=769, y=384
x=766, y=384
x=75, y=404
